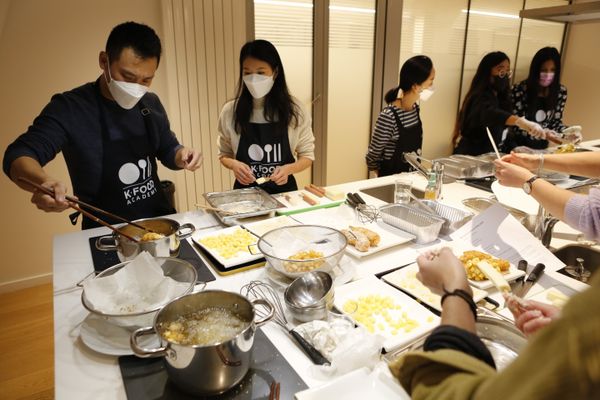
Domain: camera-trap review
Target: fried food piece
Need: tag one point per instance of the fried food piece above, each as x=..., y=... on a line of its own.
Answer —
x=373, y=237
x=315, y=257
x=472, y=257
x=357, y=239
x=150, y=236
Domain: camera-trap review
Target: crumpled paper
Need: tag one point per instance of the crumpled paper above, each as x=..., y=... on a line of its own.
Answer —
x=139, y=286
x=346, y=347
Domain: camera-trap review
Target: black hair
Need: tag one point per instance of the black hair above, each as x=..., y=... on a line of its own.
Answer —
x=141, y=38
x=279, y=106
x=481, y=83
x=533, y=85
x=414, y=71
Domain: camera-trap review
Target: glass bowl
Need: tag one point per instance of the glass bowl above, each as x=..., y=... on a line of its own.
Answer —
x=295, y=250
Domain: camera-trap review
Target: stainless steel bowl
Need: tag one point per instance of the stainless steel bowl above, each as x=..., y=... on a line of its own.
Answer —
x=174, y=268
x=499, y=334
x=310, y=296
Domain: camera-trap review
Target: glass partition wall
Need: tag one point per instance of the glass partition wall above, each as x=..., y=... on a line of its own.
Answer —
x=456, y=34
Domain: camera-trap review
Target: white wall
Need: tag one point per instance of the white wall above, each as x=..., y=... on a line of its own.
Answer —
x=581, y=76
x=48, y=47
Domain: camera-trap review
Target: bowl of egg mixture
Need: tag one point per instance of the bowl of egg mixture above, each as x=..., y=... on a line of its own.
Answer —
x=160, y=238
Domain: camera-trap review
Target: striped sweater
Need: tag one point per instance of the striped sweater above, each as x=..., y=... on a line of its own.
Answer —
x=386, y=134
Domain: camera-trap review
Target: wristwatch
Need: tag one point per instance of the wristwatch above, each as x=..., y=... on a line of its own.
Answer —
x=527, y=186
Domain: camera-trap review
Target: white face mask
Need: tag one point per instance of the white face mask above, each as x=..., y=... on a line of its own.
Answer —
x=126, y=94
x=426, y=93
x=258, y=85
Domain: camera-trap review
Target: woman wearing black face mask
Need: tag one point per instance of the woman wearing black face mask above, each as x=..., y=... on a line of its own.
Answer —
x=488, y=105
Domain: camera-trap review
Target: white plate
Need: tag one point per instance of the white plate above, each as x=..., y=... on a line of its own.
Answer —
x=259, y=228
x=343, y=216
x=405, y=279
x=342, y=273
x=372, y=286
x=103, y=337
x=545, y=296
x=459, y=247
x=240, y=258
x=359, y=384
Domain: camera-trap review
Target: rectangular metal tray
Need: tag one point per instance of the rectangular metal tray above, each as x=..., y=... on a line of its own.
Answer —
x=453, y=217
x=423, y=225
x=243, y=203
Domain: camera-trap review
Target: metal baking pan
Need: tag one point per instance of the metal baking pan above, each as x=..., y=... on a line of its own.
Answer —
x=423, y=225
x=462, y=168
x=481, y=167
x=242, y=204
x=453, y=217
x=480, y=204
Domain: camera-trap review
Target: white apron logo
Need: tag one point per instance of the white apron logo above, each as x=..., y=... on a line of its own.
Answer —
x=271, y=151
x=136, y=189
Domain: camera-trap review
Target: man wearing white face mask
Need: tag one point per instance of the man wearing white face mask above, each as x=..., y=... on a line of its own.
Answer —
x=111, y=133
x=398, y=129
x=265, y=135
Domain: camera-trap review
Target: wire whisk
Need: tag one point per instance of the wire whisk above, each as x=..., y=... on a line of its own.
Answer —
x=261, y=290
x=367, y=213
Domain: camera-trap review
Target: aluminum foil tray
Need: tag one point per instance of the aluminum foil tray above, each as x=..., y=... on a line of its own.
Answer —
x=453, y=217
x=423, y=225
x=242, y=204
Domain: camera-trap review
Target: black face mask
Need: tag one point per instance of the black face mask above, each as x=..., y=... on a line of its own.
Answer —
x=500, y=84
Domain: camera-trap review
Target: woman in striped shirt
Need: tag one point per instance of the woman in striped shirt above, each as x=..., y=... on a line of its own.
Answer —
x=398, y=129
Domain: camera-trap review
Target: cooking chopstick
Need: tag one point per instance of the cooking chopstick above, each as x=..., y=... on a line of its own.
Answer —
x=492, y=141
x=72, y=199
x=213, y=209
x=73, y=204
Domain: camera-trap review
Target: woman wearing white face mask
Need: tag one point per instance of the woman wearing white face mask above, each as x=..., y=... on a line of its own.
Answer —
x=264, y=132
x=398, y=129
x=541, y=98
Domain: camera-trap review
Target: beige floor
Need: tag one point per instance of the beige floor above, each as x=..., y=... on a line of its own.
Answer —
x=26, y=344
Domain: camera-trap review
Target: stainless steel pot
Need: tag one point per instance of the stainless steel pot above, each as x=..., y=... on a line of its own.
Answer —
x=211, y=369
x=167, y=246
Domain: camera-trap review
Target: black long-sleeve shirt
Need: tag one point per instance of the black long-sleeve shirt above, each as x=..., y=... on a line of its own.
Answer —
x=485, y=110
x=71, y=123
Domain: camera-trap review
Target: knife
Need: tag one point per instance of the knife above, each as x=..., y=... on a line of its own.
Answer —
x=531, y=279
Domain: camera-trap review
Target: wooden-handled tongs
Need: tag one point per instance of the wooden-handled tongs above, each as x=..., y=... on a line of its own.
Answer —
x=75, y=204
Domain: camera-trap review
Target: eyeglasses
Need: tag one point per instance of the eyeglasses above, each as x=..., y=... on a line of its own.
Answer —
x=503, y=73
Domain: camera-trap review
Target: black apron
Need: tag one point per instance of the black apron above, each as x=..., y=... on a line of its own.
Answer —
x=129, y=186
x=264, y=148
x=409, y=139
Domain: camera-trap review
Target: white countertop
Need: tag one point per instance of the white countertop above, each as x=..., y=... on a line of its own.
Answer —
x=81, y=373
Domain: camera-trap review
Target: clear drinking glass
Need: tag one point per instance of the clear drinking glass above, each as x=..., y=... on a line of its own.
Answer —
x=402, y=190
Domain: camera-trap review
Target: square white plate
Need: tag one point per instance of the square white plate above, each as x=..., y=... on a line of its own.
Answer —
x=360, y=384
x=343, y=216
x=459, y=247
x=405, y=278
x=241, y=257
x=259, y=228
x=372, y=286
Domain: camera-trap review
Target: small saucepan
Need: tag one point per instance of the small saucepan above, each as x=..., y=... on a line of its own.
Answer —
x=166, y=246
x=206, y=339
